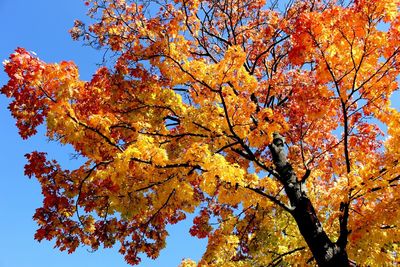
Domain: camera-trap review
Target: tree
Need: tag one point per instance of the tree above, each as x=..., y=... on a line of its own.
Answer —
x=272, y=122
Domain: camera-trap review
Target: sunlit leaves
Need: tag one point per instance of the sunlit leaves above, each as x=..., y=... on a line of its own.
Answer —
x=181, y=118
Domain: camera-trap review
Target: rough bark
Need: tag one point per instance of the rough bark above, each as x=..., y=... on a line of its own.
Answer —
x=325, y=252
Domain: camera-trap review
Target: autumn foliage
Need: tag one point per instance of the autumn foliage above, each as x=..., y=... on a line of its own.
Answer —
x=188, y=116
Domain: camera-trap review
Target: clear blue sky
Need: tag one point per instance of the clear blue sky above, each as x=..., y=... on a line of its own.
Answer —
x=42, y=26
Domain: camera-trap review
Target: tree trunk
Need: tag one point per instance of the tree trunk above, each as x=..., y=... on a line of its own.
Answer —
x=325, y=252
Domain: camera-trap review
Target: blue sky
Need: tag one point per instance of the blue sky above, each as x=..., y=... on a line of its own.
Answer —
x=42, y=26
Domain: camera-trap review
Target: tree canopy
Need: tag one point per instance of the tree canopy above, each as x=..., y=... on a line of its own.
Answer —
x=271, y=121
